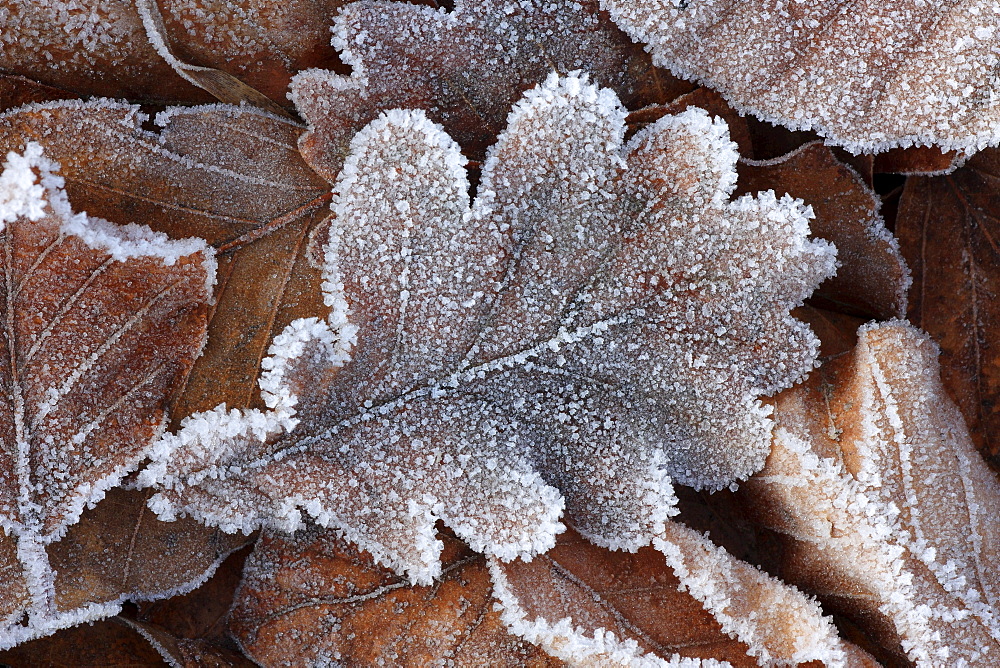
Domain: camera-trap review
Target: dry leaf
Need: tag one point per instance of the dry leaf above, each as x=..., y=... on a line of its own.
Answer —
x=102, y=323
x=106, y=644
x=583, y=603
x=813, y=64
x=601, y=319
x=888, y=511
x=948, y=232
x=232, y=176
x=101, y=47
x=466, y=68
x=314, y=599
x=872, y=277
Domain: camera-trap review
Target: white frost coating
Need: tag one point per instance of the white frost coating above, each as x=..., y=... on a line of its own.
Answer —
x=20, y=192
x=813, y=64
x=564, y=640
x=781, y=627
x=895, y=510
x=70, y=432
x=598, y=323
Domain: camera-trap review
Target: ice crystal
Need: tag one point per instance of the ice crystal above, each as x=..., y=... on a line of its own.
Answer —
x=868, y=77
x=600, y=320
x=101, y=324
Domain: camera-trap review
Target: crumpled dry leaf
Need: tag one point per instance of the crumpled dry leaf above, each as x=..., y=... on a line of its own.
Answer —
x=948, y=232
x=465, y=68
x=593, y=321
x=313, y=598
x=100, y=47
x=888, y=511
x=813, y=64
x=102, y=325
x=232, y=176
x=689, y=600
x=108, y=643
x=872, y=278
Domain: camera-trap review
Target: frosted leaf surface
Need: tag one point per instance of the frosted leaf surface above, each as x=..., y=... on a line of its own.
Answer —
x=100, y=47
x=689, y=601
x=872, y=276
x=886, y=506
x=101, y=323
x=465, y=68
x=600, y=320
x=868, y=77
x=312, y=597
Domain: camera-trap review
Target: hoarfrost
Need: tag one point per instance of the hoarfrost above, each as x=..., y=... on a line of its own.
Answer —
x=867, y=77
x=885, y=501
x=601, y=320
x=465, y=68
x=100, y=326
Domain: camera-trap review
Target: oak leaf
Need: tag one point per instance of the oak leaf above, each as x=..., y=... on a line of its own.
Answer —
x=948, y=232
x=868, y=78
x=600, y=320
x=888, y=511
x=101, y=325
x=465, y=68
x=872, y=277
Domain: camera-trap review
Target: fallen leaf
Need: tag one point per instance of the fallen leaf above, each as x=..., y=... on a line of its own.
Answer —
x=872, y=278
x=16, y=91
x=314, y=598
x=465, y=68
x=690, y=599
x=886, y=508
x=601, y=319
x=867, y=78
x=102, y=48
x=102, y=324
x=108, y=643
x=948, y=232
x=919, y=160
x=232, y=176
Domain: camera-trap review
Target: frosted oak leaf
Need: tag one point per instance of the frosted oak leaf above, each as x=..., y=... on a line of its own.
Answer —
x=600, y=320
x=101, y=324
x=868, y=77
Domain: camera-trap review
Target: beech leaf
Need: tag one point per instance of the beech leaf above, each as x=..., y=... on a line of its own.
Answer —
x=948, y=232
x=465, y=68
x=102, y=323
x=600, y=320
x=817, y=65
x=338, y=605
x=887, y=509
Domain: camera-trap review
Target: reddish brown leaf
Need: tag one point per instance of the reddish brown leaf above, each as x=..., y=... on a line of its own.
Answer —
x=313, y=597
x=950, y=235
x=872, y=278
x=16, y=91
x=105, y=644
x=97, y=47
x=918, y=160
x=231, y=176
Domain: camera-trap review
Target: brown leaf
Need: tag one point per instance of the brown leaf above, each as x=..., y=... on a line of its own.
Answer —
x=948, y=232
x=99, y=47
x=466, y=68
x=690, y=599
x=918, y=160
x=890, y=74
x=102, y=324
x=599, y=318
x=313, y=597
x=105, y=644
x=872, y=278
x=886, y=508
x=16, y=91
x=229, y=175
